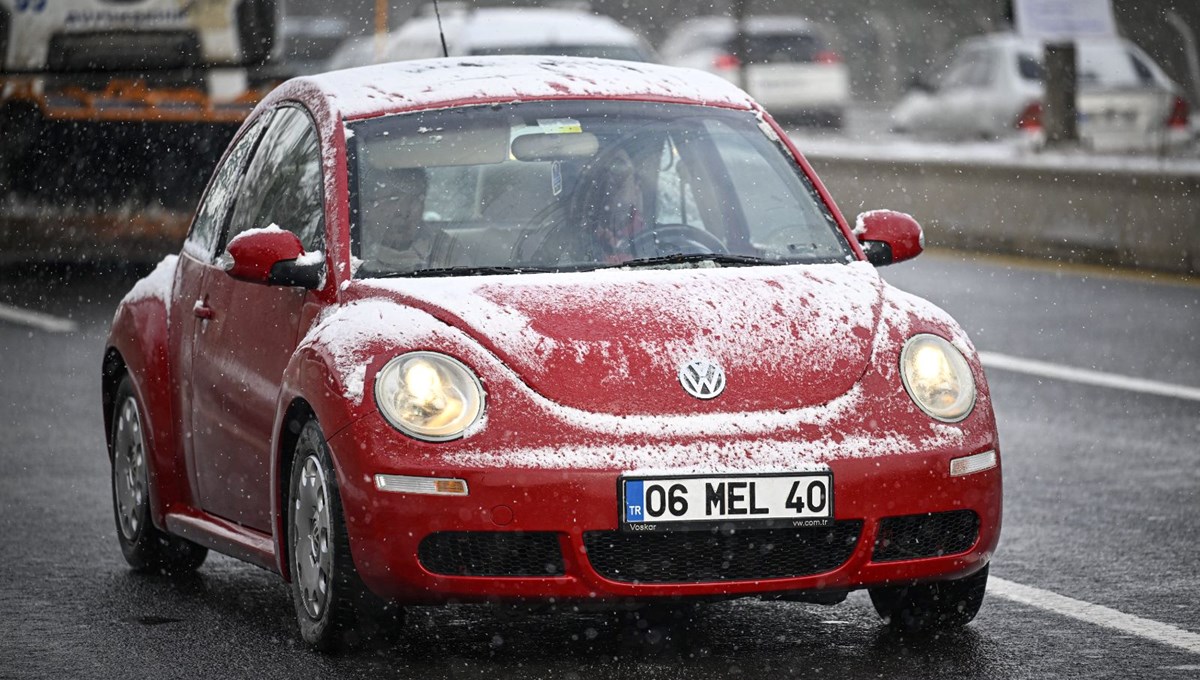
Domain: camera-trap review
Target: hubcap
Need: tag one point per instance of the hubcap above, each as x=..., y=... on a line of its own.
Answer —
x=311, y=531
x=129, y=469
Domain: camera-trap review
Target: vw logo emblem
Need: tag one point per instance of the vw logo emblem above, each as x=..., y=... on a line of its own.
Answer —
x=701, y=378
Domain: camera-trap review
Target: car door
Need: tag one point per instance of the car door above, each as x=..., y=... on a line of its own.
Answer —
x=250, y=330
x=195, y=260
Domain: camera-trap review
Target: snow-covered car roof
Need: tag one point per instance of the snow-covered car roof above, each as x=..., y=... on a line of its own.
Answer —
x=430, y=83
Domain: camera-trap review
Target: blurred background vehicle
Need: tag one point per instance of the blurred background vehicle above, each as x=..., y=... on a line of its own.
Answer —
x=303, y=47
x=992, y=87
x=110, y=110
x=791, y=67
x=570, y=31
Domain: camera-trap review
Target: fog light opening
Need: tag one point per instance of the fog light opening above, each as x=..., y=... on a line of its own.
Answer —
x=969, y=465
x=421, y=485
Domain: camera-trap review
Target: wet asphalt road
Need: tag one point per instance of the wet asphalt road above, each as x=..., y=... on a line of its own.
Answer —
x=1102, y=491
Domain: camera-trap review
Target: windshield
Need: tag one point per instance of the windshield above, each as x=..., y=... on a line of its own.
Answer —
x=578, y=185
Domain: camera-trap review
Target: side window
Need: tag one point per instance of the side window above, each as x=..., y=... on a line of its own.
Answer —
x=1144, y=75
x=214, y=208
x=283, y=184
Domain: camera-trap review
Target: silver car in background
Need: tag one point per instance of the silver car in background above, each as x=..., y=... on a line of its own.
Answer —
x=499, y=31
x=993, y=87
x=792, y=69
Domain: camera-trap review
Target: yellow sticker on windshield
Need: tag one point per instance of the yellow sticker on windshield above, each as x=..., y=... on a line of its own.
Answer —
x=559, y=126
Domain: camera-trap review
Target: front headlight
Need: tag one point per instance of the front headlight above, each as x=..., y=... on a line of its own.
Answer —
x=937, y=377
x=429, y=396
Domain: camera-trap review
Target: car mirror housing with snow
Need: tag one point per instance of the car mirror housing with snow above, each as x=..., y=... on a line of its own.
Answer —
x=888, y=236
x=273, y=257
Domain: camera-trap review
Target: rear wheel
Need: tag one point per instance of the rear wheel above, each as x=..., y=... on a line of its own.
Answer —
x=335, y=610
x=931, y=607
x=144, y=546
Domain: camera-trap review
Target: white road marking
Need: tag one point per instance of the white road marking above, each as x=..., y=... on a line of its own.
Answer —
x=1086, y=376
x=38, y=320
x=1096, y=614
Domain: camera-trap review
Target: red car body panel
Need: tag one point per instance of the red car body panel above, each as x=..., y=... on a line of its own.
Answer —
x=217, y=400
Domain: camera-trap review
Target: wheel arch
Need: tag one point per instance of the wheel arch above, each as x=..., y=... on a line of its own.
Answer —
x=298, y=412
x=112, y=371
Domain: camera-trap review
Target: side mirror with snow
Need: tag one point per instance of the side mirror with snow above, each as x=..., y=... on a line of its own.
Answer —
x=888, y=236
x=273, y=257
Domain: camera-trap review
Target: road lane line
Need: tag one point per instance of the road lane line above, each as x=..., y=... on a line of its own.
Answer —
x=1095, y=614
x=1086, y=376
x=38, y=320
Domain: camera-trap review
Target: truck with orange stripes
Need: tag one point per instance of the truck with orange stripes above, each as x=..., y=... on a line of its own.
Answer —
x=112, y=115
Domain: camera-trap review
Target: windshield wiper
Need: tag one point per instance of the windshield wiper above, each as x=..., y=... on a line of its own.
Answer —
x=685, y=258
x=464, y=270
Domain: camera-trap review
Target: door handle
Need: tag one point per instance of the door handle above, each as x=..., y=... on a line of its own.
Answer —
x=202, y=310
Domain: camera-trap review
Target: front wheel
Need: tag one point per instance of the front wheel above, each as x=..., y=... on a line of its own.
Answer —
x=335, y=610
x=145, y=547
x=930, y=607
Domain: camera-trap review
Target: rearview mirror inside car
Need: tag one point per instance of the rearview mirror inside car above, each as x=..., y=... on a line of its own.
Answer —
x=555, y=147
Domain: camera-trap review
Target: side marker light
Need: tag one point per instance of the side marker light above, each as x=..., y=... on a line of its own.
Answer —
x=421, y=485
x=969, y=465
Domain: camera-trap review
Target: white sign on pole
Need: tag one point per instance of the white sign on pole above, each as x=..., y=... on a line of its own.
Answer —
x=1055, y=20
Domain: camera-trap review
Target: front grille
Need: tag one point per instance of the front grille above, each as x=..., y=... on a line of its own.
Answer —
x=491, y=553
x=929, y=535
x=700, y=556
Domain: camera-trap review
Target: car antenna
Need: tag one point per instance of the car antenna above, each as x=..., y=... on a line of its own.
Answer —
x=441, y=34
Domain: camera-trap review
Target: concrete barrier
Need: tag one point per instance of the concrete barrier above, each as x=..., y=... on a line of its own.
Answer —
x=1131, y=214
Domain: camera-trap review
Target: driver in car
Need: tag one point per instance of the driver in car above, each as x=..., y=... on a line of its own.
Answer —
x=394, y=203
x=613, y=209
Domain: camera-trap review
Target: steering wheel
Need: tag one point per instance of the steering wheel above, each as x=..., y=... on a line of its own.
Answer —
x=669, y=239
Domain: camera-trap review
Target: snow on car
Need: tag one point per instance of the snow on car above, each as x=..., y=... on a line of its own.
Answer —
x=545, y=329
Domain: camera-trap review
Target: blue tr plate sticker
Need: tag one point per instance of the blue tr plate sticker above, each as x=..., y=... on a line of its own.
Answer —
x=634, y=495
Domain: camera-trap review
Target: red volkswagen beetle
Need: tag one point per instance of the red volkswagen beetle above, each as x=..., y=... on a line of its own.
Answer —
x=557, y=330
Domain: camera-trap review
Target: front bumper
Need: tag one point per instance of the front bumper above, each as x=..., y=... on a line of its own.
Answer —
x=386, y=529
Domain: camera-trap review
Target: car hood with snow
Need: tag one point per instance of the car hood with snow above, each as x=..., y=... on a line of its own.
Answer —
x=614, y=341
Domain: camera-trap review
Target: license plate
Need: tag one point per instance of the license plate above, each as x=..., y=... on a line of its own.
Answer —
x=795, y=499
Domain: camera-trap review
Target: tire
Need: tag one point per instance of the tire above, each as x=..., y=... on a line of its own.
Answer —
x=335, y=610
x=145, y=547
x=931, y=607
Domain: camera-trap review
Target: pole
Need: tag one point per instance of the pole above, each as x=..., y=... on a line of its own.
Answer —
x=741, y=43
x=1059, y=109
x=381, y=28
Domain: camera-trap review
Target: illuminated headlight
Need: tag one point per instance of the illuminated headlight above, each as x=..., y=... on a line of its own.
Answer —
x=937, y=378
x=429, y=396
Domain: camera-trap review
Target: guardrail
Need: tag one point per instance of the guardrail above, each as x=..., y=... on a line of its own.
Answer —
x=1142, y=213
